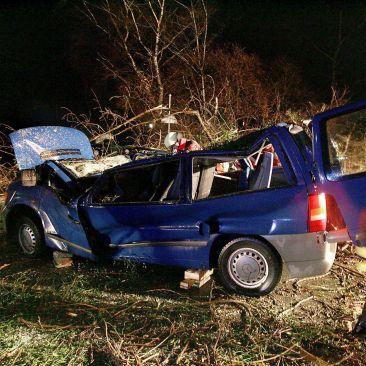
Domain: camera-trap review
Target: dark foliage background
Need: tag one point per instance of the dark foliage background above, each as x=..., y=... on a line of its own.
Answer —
x=323, y=40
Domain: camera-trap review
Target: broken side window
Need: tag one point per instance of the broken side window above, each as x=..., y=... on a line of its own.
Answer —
x=226, y=175
x=152, y=183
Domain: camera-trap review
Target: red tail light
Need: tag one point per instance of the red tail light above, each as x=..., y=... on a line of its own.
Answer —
x=317, y=213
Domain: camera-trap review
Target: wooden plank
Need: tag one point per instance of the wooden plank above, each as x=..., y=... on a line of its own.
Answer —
x=199, y=284
x=197, y=274
x=195, y=278
x=186, y=284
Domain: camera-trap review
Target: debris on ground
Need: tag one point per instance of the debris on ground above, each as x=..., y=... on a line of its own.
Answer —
x=62, y=259
x=125, y=314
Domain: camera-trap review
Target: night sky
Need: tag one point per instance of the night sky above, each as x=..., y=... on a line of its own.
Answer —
x=38, y=76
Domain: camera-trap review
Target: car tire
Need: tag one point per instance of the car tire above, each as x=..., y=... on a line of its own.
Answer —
x=29, y=237
x=249, y=266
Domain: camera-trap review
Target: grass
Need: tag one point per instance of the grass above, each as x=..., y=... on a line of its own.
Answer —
x=123, y=314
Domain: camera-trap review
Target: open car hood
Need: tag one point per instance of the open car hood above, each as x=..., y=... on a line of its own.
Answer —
x=34, y=145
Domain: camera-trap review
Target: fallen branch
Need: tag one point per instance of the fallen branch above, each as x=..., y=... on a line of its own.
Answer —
x=356, y=273
x=312, y=358
x=223, y=302
x=53, y=327
x=158, y=108
x=288, y=350
x=190, y=112
x=10, y=354
x=285, y=312
x=181, y=354
x=310, y=278
x=3, y=266
x=323, y=288
x=343, y=359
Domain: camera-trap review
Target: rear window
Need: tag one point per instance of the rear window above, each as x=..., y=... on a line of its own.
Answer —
x=345, y=153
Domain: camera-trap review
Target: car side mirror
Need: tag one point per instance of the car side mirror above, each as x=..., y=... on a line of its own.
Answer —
x=28, y=177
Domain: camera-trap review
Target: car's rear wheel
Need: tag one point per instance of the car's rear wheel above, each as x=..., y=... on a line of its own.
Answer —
x=249, y=266
x=29, y=237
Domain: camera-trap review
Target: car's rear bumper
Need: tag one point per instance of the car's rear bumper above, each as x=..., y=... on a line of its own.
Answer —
x=311, y=268
x=309, y=254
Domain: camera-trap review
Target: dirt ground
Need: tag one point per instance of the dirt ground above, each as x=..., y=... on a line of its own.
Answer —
x=124, y=314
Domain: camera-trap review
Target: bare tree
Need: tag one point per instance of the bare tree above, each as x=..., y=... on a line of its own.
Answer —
x=7, y=166
x=155, y=48
x=147, y=39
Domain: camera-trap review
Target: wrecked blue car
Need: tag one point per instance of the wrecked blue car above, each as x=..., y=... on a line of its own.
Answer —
x=277, y=204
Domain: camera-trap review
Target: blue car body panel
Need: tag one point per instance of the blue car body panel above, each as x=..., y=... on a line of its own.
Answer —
x=21, y=196
x=63, y=230
x=182, y=233
x=350, y=191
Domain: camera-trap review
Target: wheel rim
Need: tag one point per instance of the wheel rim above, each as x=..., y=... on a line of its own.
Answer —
x=27, y=239
x=248, y=268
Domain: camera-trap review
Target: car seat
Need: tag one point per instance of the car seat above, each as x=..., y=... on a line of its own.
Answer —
x=261, y=177
x=172, y=192
x=205, y=182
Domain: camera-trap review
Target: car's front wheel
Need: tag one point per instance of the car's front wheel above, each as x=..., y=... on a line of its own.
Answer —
x=29, y=237
x=249, y=266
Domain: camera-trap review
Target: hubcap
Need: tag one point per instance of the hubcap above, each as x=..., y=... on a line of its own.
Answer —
x=248, y=268
x=27, y=239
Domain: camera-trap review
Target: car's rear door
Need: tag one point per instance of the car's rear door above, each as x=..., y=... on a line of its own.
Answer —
x=339, y=143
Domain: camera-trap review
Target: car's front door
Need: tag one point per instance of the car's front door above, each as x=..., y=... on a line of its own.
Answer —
x=339, y=139
x=140, y=212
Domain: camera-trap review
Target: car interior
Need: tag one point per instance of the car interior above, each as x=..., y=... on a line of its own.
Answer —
x=212, y=176
x=153, y=183
x=47, y=176
x=225, y=175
